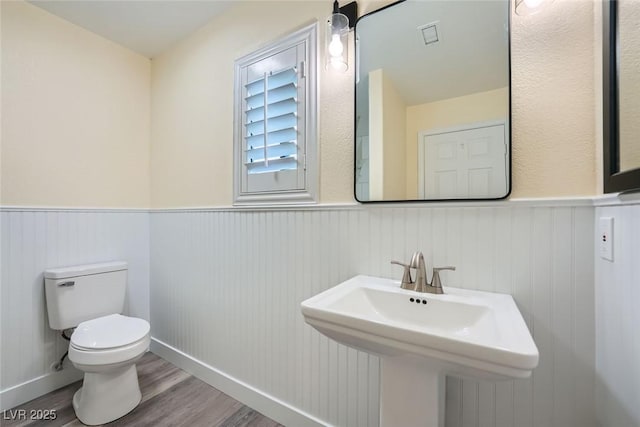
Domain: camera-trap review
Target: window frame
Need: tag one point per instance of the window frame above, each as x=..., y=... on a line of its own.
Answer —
x=308, y=36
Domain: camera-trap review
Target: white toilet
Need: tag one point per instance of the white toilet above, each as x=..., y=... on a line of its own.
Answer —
x=105, y=344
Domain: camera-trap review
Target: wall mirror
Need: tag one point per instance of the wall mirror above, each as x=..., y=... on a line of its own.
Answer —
x=621, y=97
x=433, y=103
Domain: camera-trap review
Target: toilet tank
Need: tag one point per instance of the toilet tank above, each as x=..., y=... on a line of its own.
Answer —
x=84, y=292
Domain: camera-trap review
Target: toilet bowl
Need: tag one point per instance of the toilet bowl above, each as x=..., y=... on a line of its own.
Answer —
x=106, y=350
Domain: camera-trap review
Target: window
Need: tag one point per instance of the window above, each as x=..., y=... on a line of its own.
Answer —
x=275, y=122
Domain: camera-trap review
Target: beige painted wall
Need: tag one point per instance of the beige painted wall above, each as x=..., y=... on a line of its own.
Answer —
x=394, y=141
x=76, y=116
x=376, y=136
x=192, y=107
x=387, y=139
x=474, y=108
x=81, y=104
x=553, y=97
x=554, y=142
x=597, y=85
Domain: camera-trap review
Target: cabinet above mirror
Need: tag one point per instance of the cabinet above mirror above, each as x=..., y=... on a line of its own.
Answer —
x=432, y=116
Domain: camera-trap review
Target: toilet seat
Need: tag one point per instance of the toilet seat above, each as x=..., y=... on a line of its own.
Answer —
x=109, y=340
x=109, y=332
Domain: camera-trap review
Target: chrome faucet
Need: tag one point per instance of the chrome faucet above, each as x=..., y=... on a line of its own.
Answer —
x=421, y=284
x=417, y=262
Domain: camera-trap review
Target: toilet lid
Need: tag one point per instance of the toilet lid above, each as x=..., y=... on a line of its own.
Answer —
x=114, y=330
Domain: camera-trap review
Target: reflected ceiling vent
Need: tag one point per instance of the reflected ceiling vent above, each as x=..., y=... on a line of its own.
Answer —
x=430, y=33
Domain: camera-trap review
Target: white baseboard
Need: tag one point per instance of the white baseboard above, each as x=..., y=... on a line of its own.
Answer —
x=267, y=405
x=29, y=390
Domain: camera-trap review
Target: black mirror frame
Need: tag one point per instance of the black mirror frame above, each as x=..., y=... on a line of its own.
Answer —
x=614, y=180
x=510, y=152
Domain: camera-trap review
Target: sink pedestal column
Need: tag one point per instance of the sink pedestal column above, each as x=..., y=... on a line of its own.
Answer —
x=411, y=393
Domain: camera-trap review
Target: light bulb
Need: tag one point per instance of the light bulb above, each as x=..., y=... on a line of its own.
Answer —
x=335, y=47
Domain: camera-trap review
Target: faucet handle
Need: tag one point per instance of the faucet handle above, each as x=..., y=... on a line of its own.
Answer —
x=435, y=280
x=406, y=283
x=400, y=263
x=415, y=259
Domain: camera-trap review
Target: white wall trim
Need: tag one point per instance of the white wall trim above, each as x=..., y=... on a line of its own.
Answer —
x=617, y=199
x=70, y=209
x=254, y=208
x=543, y=202
x=522, y=202
x=256, y=399
x=614, y=199
x=29, y=390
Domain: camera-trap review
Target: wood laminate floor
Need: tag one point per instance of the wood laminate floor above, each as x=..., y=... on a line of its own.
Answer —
x=170, y=397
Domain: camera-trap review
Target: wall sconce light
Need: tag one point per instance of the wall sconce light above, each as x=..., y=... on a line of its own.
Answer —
x=529, y=7
x=338, y=25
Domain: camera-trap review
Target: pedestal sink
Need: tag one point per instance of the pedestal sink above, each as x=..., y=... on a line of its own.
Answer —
x=422, y=337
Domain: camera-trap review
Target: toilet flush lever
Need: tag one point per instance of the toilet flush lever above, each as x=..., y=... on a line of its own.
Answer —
x=67, y=284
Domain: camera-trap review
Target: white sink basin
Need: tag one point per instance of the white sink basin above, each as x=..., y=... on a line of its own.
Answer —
x=464, y=332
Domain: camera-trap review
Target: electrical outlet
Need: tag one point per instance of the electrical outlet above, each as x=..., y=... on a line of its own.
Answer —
x=606, y=238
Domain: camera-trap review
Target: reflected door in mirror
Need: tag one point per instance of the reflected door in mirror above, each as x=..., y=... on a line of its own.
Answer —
x=468, y=163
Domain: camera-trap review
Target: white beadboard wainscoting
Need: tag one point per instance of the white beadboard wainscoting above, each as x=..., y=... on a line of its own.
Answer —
x=35, y=239
x=227, y=286
x=618, y=319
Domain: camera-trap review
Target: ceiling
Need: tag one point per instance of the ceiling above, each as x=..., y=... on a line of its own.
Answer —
x=471, y=56
x=148, y=27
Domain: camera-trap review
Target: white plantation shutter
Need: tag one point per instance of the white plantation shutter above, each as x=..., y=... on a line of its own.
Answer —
x=273, y=104
x=272, y=122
